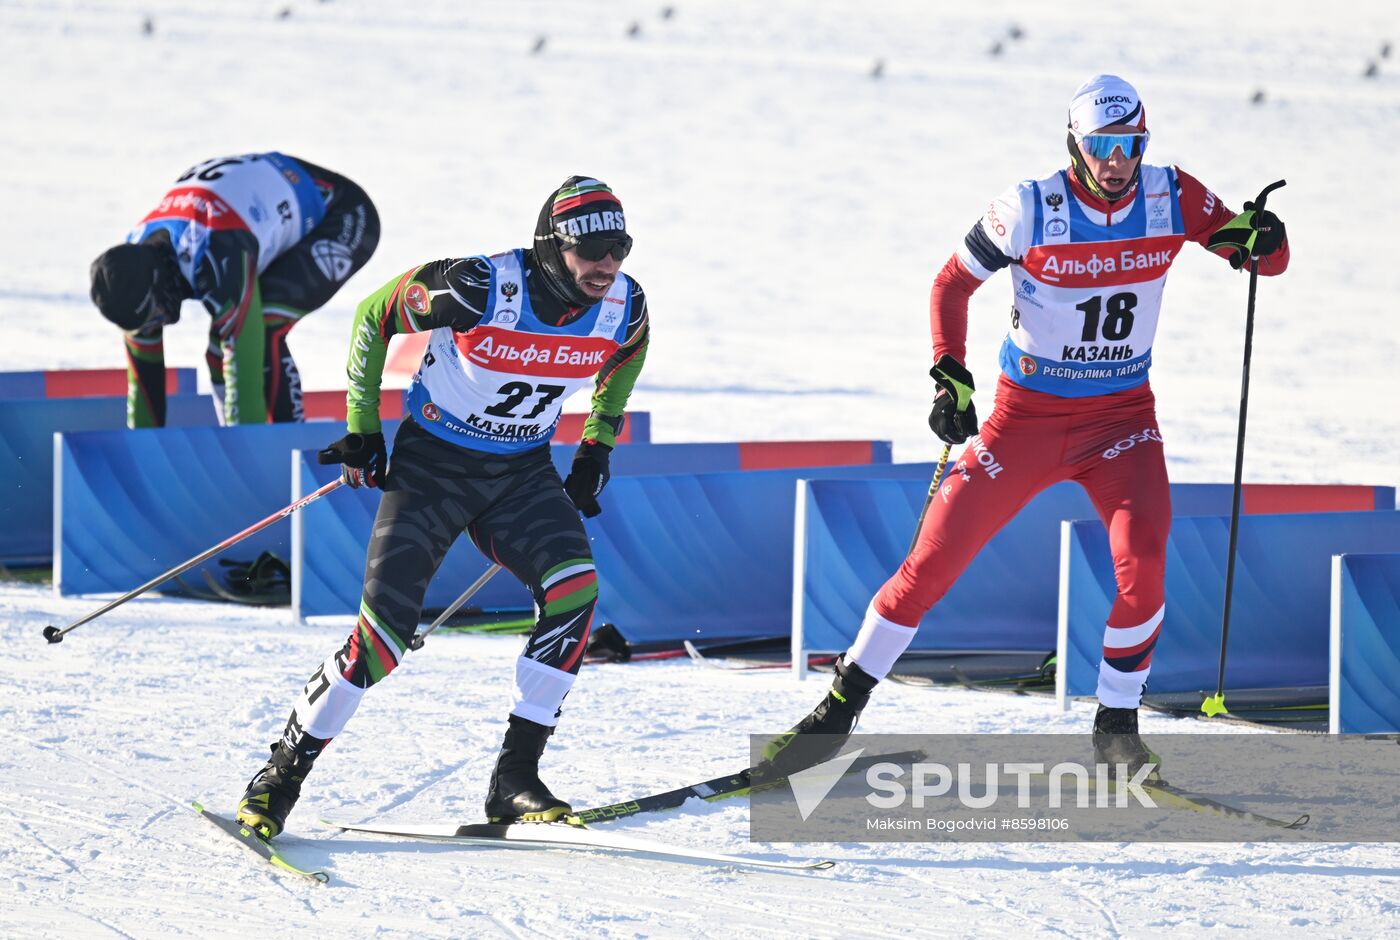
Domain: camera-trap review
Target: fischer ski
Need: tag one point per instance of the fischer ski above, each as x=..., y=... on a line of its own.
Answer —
x=1185, y=799
x=253, y=840
x=712, y=790
x=565, y=836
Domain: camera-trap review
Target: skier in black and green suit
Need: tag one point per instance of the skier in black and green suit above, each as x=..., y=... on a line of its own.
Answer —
x=512, y=336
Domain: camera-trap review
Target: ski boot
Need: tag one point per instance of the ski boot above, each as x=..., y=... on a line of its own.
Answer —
x=516, y=793
x=821, y=734
x=273, y=792
x=1116, y=741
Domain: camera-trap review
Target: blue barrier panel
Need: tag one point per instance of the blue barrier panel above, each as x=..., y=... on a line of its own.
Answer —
x=639, y=427
x=86, y=383
x=1365, y=655
x=136, y=503
x=706, y=556
x=27, y=428
x=22, y=385
x=857, y=533
x=337, y=530
x=1278, y=617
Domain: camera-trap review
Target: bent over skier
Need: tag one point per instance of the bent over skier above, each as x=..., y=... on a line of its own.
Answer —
x=1089, y=248
x=513, y=335
x=261, y=239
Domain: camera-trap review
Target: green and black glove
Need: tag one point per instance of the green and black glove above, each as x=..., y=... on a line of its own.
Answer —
x=363, y=458
x=587, y=477
x=954, y=417
x=1249, y=235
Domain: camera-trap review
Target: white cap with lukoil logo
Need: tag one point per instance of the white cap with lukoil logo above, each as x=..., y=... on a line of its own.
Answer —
x=1104, y=100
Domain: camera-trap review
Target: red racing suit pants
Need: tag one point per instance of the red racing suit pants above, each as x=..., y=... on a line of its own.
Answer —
x=1111, y=446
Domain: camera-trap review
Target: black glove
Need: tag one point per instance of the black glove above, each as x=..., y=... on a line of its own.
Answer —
x=588, y=476
x=1271, y=232
x=1249, y=235
x=364, y=458
x=954, y=417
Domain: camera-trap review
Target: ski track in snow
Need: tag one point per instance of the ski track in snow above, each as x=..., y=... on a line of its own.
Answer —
x=138, y=712
x=786, y=240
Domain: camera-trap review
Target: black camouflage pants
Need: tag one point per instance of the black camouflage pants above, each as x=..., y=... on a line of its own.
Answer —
x=516, y=511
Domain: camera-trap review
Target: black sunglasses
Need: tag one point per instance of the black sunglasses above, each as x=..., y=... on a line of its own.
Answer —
x=595, y=249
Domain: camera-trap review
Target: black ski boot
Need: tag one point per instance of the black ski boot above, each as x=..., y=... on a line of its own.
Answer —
x=273, y=792
x=517, y=794
x=1116, y=742
x=821, y=734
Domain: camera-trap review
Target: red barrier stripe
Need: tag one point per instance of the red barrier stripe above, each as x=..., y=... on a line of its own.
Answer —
x=779, y=455
x=97, y=383
x=1284, y=498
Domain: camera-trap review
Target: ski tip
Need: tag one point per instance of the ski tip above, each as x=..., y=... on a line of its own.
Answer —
x=1299, y=823
x=822, y=865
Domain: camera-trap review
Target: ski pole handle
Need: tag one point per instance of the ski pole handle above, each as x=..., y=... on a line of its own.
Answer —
x=55, y=635
x=1264, y=195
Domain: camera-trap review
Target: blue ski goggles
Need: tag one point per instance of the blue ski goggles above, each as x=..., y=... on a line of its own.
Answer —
x=1101, y=146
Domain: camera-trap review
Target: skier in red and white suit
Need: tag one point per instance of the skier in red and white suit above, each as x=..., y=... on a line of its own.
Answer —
x=1089, y=248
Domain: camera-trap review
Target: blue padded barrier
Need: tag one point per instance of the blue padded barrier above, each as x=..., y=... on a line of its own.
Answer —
x=27, y=427
x=1365, y=648
x=706, y=556
x=856, y=534
x=133, y=504
x=1279, y=613
x=328, y=563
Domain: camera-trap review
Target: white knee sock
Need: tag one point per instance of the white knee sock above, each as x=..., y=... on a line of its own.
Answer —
x=540, y=691
x=879, y=643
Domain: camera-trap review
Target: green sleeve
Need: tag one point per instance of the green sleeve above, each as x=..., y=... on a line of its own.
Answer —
x=145, y=378
x=369, y=345
x=618, y=376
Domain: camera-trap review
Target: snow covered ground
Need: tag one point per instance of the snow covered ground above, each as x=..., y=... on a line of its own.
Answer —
x=790, y=211
x=161, y=701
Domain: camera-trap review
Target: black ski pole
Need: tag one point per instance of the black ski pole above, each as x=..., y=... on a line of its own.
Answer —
x=1215, y=704
x=55, y=635
x=932, y=491
x=417, y=642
